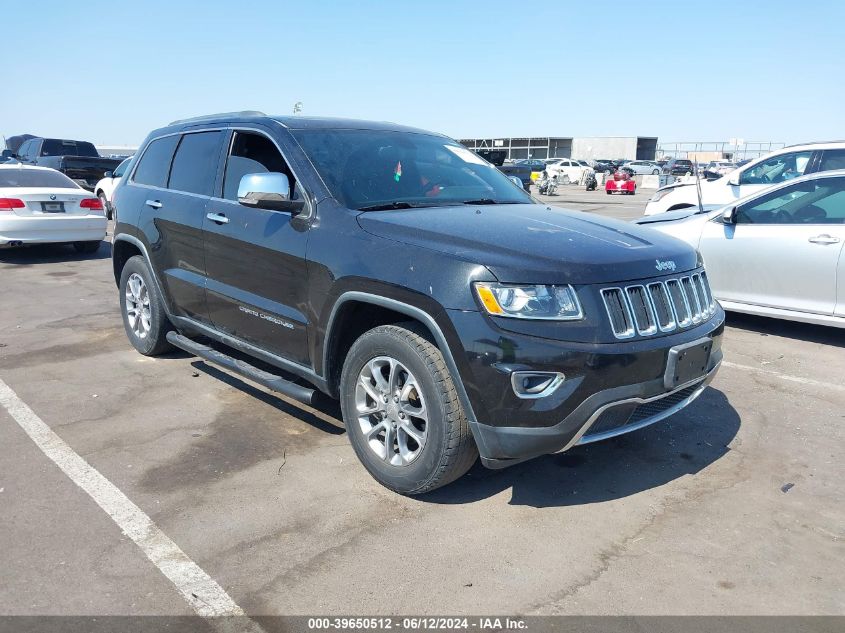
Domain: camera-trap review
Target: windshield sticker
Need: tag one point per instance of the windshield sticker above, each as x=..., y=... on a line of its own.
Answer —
x=465, y=155
x=397, y=173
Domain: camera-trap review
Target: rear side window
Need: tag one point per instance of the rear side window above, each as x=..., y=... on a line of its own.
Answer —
x=60, y=147
x=195, y=164
x=155, y=163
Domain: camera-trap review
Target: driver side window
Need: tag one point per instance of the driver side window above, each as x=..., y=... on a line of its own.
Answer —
x=253, y=153
x=820, y=201
x=779, y=168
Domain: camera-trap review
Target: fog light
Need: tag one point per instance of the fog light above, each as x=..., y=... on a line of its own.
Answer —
x=535, y=384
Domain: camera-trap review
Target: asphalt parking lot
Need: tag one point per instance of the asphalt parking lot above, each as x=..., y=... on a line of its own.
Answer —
x=733, y=506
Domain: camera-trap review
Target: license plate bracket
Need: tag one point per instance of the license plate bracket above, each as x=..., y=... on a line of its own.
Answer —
x=687, y=362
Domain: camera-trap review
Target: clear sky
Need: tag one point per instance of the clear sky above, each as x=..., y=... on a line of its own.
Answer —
x=704, y=70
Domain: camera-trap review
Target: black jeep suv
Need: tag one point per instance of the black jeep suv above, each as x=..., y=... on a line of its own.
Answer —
x=399, y=272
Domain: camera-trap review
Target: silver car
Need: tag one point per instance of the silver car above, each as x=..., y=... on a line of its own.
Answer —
x=777, y=252
x=643, y=167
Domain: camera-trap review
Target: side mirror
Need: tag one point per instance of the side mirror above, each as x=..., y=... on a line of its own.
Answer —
x=729, y=215
x=269, y=190
x=107, y=174
x=515, y=181
x=733, y=180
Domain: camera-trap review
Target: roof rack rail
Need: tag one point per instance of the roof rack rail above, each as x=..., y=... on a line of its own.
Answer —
x=207, y=117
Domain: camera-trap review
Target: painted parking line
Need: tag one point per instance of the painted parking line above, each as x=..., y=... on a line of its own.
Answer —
x=200, y=591
x=787, y=377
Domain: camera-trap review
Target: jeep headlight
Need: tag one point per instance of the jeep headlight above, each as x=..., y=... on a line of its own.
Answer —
x=553, y=303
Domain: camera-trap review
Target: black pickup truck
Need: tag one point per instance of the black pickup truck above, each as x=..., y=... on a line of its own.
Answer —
x=396, y=271
x=78, y=160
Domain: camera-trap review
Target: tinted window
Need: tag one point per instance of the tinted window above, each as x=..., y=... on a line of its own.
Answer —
x=195, y=164
x=24, y=148
x=35, y=178
x=155, y=163
x=253, y=154
x=59, y=147
x=776, y=169
x=832, y=159
x=370, y=168
x=820, y=201
x=121, y=169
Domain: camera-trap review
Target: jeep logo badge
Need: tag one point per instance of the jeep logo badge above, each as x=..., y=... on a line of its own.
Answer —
x=667, y=265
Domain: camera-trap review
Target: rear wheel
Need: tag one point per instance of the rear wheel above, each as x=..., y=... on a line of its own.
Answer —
x=402, y=413
x=87, y=247
x=142, y=307
x=655, y=172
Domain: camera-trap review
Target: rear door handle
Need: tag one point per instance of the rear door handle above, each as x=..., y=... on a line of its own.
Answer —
x=218, y=217
x=155, y=204
x=824, y=238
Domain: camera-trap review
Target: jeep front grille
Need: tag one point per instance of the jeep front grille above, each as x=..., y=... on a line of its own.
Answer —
x=660, y=306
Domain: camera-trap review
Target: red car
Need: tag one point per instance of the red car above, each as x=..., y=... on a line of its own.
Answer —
x=620, y=183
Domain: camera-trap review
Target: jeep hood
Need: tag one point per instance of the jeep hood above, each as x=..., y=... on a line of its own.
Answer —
x=533, y=243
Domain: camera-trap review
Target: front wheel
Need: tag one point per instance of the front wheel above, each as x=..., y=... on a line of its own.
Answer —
x=402, y=413
x=565, y=180
x=656, y=172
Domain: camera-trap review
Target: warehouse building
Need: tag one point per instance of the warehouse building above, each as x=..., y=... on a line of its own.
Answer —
x=582, y=148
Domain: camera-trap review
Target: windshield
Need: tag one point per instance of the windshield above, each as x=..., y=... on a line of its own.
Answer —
x=373, y=169
x=35, y=178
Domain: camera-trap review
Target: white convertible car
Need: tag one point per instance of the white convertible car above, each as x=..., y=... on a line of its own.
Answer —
x=39, y=205
x=776, y=253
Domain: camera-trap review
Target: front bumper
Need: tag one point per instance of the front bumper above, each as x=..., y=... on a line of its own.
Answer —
x=609, y=388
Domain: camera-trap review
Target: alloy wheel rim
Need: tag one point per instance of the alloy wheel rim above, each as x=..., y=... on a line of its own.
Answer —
x=138, y=306
x=391, y=411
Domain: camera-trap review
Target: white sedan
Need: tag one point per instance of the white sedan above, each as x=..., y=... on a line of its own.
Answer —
x=39, y=205
x=104, y=189
x=643, y=167
x=776, y=253
x=568, y=170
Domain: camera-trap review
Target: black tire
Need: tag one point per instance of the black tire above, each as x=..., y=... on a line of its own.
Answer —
x=87, y=247
x=449, y=450
x=656, y=172
x=154, y=342
x=106, y=206
x=610, y=193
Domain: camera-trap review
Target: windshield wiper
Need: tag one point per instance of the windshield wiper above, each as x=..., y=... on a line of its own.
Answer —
x=387, y=206
x=483, y=201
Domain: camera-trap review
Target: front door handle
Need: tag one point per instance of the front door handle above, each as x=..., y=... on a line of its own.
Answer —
x=824, y=238
x=218, y=217
x=155, y=204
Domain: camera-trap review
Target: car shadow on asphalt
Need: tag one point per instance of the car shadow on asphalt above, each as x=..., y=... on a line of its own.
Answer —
x=324, y=405
x=682, y=445
x=48, y=254
x=764, y=326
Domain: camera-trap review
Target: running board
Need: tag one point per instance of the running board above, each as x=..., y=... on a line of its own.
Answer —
x=266, y=379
